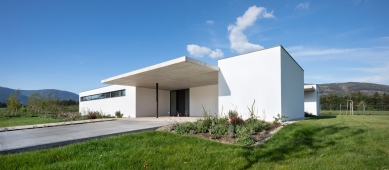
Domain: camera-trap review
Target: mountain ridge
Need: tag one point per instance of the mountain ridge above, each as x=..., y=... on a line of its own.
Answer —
x=24, y=94
x=347, y=87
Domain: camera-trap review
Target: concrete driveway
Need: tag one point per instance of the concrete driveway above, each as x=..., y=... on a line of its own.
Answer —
x=32, y=139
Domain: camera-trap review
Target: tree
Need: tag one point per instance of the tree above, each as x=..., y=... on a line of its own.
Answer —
x=13, y=104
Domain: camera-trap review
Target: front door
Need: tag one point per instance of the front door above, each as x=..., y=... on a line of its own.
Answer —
x=179, y=103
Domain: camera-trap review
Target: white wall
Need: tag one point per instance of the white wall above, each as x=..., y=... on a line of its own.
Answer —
x=126, y=104
x=292, y=87
x=250, y=76
x=146, y=102
x=206, y=96
x=312, y=100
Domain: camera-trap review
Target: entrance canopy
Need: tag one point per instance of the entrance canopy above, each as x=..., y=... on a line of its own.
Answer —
x=179, y=73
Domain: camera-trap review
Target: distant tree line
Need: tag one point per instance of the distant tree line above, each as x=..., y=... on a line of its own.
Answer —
x=370, y=102
x=38, y=103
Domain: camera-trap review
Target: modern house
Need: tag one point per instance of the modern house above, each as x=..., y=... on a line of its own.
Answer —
x=312, y=99
x=185, y=86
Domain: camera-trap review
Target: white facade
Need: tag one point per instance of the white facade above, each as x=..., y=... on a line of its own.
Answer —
x=205, y=96
x=312, y=99
x=137, y=102
x=126, y=104
x=270, y=77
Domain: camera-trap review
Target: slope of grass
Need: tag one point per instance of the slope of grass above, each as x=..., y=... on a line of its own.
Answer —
x=326, y=142
x=21, y=120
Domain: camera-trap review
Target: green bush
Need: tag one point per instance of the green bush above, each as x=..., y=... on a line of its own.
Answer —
x=202, y=125
x=219, y=129
x=185, y=127
x=119, y=114
x=245, y=140
x=241, y=130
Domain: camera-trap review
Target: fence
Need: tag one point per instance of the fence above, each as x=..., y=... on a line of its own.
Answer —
x=343, y=109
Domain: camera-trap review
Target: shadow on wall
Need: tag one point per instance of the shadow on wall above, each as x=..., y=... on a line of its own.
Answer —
x=224, y=90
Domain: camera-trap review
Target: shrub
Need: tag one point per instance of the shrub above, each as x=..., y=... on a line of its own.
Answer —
x=202, y=125
x=256, y=125
x=92, y=116
x=234, y=118
x=185, y=127
x=219, y=129
x=241, y=130
x=245, y=140
x=219, y=120
x=118, y=114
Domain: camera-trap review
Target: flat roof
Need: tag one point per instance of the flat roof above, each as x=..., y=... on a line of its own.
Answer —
x=179, y=73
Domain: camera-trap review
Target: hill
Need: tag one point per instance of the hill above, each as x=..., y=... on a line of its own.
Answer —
x=24, y=94
x=346, y=88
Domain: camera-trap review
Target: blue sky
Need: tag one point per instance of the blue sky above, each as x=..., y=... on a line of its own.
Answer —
x=73, y=45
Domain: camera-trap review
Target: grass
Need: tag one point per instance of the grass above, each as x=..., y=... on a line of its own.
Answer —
x=356, y=112
x=324, y=142
x=21, y=120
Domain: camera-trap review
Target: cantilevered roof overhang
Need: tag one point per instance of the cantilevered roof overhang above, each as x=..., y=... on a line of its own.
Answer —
x=309, y=88
x=179, y=73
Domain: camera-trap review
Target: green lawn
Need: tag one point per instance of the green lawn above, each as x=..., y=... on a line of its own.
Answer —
x=325, y=142
x=19, y=121
x=356, y=112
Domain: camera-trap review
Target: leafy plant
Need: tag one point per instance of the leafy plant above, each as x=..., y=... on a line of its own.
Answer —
x=92, y=116
x=279, y=119
x=185, y=127
x=202, y=125
x=219, y=129
x=231, y=131
x=118, y=114
x=245, y=140
x=234, y=118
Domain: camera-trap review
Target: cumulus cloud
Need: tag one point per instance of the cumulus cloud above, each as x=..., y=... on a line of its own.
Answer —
x=302, y=6
x=216, y=54
x=200, y=51
x=210, y=22
x=197, y=51
x=238, y=40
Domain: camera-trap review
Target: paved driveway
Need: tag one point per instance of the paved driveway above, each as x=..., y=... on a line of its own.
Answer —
x=32, y=139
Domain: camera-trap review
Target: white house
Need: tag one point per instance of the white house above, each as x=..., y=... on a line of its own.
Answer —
x=312, y=99
x=184, y=86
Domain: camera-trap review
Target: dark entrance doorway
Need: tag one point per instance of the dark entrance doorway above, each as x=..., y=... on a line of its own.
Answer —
x=179, y=103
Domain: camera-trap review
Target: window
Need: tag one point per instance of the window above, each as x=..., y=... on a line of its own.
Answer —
x=104, y=95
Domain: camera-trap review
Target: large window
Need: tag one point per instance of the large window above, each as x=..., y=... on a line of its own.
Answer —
x=104, y=95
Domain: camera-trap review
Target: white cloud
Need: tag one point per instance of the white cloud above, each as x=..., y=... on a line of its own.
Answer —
x=210, y=22
x=216, y=54
x=198, y=51
x=302, y=6
x=238, y=40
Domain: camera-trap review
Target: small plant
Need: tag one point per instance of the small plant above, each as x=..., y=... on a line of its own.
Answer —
x=241, y=130
x=185, y=127
x=92, y=116
x=234, y=118
x=219, y=129
x=278, y=120
x=245, y=140
x=118, y=114
x=202, y=125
